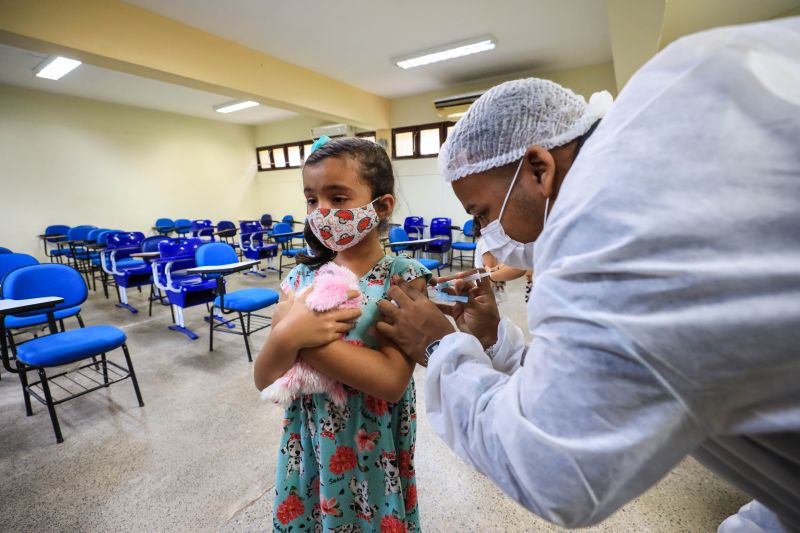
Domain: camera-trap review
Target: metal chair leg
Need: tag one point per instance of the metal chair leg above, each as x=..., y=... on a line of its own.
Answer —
x=245, y=335
x=50, y=406
x=23, y=379
x=80, y=320
x=105, y=368
x=133, y=375
x=211, y=329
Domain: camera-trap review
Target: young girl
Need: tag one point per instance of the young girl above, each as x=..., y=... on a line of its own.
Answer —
x=350, y=468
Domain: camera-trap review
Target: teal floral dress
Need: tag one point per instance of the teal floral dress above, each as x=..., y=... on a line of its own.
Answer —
x=350, y=469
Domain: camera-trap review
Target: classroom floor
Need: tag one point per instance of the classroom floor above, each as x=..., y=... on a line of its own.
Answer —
x=201, y=454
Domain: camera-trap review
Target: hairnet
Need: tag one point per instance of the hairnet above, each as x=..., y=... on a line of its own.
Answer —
x=512, y=116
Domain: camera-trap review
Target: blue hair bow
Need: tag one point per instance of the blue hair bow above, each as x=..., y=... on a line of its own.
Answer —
x=319, y=142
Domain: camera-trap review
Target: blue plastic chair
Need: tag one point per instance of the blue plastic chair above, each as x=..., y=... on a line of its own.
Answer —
x=62, y=348
x=442, y=231
x=465, y=246
x=77, y=239
x=164, y=226
x=4, y=250
x=289, y=219
x=183, y=226
x=203, y=228
x=415, y=227
x=254, y=245
x=149, y=245
x=182, y=290
x=126, y=271
x=398, y=234
x=11, y=262
x=266, y=221
x=244, y=302
x=285, y=242
x=55, y=254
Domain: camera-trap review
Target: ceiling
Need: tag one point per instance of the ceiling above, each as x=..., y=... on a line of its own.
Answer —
x=95, y=83
x=355, y=41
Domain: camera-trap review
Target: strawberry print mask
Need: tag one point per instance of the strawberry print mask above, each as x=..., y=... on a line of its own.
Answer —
x=339, y=229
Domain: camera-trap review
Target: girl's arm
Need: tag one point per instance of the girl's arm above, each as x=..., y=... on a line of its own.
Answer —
x=381, y=373
x=298, y=328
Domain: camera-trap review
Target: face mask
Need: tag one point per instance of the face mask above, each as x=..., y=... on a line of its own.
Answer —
x=339, y=229
x=505, y=249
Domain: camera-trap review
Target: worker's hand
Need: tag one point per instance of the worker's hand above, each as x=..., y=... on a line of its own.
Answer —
x=414, y=322
x=479, y=316
x=305, y=328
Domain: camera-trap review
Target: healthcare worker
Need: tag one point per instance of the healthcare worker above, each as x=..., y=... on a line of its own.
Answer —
x=665, y=315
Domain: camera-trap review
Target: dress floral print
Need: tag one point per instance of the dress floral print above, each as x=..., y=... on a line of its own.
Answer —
x=350, y=469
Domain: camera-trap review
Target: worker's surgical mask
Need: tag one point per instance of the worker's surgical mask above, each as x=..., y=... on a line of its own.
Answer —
x=339, y=229
x=505, y=249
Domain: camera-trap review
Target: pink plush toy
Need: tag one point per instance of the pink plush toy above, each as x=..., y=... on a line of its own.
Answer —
x=329, y=291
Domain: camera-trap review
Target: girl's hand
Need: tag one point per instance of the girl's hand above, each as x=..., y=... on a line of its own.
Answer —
x=308, y=329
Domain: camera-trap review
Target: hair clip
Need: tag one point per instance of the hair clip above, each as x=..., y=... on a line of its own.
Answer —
x=319, y=142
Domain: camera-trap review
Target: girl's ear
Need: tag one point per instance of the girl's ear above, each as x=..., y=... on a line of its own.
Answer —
x=385, y=206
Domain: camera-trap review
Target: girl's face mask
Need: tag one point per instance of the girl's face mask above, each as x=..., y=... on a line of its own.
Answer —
x=340, y=229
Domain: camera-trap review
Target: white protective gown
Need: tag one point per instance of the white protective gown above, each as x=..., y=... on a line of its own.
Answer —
x=666, y=305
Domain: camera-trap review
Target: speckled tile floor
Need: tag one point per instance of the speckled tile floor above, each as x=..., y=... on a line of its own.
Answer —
x=200, y=456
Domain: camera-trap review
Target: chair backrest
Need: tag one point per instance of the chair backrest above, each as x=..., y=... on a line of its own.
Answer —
x=57, y=229
x=248, y=229
x=124, y=239
x=215, y=253
x=266, y=221
x=92, y=235
x=442, y=227
x=282, y=227
x=38, y=281
x=398, y=234
x=150, y=244
x=224, y=225
x=4, y=250
x=165, y=223
x=179, y=248
x=469, y=228
x=102, y=237
x=414, y=227
x=11, y=261
x=289, y=219
x=200, y=224
x=183, y=225
x=79, y=233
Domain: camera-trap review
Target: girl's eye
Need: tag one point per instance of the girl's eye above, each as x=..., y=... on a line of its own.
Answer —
x=339, y=199
x=311, y=201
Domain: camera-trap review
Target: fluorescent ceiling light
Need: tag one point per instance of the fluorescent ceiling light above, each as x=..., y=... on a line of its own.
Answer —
x=56, y=68
x=449, y=51
x=234, y=106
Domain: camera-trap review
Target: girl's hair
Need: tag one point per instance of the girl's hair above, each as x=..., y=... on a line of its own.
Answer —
x=374, y=169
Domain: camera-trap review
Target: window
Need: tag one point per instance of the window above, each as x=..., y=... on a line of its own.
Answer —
x=294, y=155
x=279, y=157
x=264, y=160
x=368, y=135
x=282, y=156
x=425, y=140
x=404, y=144
x=429, y=142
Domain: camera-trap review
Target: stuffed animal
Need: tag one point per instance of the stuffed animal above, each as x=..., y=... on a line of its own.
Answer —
x=329, y=291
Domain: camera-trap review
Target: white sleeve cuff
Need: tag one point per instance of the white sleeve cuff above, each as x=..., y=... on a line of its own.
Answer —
x=508, y=352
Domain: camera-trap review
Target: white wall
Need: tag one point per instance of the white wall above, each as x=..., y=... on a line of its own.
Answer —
x=72, y=161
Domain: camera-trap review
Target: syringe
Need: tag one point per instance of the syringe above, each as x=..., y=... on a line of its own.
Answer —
x=472, y=277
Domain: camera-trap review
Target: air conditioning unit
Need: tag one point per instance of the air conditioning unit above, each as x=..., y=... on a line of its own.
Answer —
x=331, y=130
x=455, y=106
